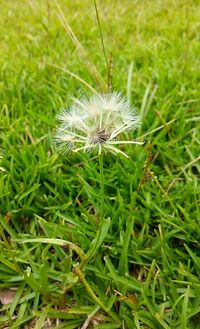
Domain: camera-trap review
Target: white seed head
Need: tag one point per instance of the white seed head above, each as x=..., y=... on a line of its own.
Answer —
x=94, y=123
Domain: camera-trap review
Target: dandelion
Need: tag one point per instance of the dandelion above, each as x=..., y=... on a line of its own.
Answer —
x=95, y=123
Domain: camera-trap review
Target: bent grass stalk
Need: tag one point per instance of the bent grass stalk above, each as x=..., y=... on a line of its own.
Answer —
x=96, y=299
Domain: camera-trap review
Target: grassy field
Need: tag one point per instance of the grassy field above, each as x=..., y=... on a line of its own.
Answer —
x=144, y=272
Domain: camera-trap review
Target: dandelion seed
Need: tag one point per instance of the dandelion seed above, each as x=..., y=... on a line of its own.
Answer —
x=95, y=123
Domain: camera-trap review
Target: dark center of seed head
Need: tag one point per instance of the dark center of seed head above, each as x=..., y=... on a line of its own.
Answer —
x=102, y=136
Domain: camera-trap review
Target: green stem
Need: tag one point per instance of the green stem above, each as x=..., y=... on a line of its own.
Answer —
x=102, y=199
x=101, y=187
x=93, y=250
x=95, y=246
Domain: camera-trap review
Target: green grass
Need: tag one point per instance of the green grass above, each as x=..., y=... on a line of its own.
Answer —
x=144, y=271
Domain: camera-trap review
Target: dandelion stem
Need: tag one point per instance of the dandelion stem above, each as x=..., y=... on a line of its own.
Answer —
x=101, y=187
x=95, y=247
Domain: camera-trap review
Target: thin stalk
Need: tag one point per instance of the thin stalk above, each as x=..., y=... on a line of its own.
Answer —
x=101, y=188
x=96, y=299
x=101, y=36
x=94, y=248
x=165, y=194
x=81, y=50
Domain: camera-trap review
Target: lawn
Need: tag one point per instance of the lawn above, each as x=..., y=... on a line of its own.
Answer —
x=59, y=268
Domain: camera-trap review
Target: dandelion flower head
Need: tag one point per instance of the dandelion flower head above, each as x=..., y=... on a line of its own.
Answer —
x=95, y=123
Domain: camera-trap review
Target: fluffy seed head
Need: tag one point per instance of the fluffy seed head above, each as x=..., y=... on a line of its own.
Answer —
x=94, y=123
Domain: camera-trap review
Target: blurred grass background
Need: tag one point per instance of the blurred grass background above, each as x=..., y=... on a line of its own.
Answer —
x=146, y=272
